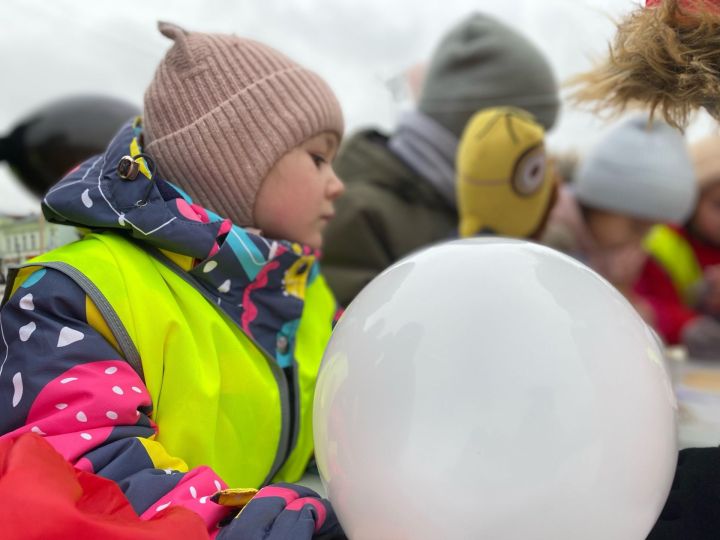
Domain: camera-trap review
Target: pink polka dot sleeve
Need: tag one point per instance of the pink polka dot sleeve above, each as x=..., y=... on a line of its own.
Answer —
x=67, y=383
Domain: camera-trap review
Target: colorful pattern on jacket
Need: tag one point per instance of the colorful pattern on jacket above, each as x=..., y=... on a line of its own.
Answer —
x=260, y=282
x=61, y=375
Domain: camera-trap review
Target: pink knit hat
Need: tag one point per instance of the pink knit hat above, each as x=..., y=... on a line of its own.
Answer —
x=222, y=110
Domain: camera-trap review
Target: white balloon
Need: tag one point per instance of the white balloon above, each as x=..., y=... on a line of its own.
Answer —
x=494, y=389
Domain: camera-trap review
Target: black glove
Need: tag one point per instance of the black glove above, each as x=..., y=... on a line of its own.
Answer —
x=692, y=511
x=284, y=511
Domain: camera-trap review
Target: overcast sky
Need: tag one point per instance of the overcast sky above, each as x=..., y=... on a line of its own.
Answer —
x=58, y=48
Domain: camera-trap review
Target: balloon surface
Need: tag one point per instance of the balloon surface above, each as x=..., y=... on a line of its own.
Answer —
x=49, y=142
x=498, y=389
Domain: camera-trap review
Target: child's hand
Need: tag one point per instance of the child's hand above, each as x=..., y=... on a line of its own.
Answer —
x=284, y=511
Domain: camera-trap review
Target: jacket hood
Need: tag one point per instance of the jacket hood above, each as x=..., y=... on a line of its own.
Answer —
x=258, y=281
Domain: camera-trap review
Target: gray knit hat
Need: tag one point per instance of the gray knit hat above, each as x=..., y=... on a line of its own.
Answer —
x=220, y=112
x=640, y=169
x=483, y=63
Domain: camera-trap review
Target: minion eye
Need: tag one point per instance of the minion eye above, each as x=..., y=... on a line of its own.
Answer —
x=530, y=172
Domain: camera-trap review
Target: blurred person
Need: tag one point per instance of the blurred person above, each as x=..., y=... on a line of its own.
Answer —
x=400, y=188
x=566, y=165
x=665, y=56
x=681, y=281
x=52, y=139
x=405, y=87
x=506, y=185
x=637, y=175
x=174, y=348
x=43, y=146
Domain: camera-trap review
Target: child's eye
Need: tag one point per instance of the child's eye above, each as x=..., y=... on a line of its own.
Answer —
x=317, y=159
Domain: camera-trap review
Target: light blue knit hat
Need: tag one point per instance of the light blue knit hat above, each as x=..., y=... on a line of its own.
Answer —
x=639, y=168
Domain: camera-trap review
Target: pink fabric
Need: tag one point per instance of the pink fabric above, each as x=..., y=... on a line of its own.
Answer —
x=194, y=492
x=250, y=310
x=286, y=494
x=84, y=464
x=294, y=502
x=225, y=227
x=188, y=211
x=298, y=505
x=78, y=410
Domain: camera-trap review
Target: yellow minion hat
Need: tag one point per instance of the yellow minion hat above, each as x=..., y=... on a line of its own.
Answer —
x=505, y=184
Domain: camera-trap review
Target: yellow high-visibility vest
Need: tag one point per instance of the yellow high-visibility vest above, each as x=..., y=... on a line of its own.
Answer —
x=675, y=254
x=218, y=398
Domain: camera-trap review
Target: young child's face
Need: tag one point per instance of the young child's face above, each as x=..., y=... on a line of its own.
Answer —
x=612, y=230
x=706, y=221
x=295, y=201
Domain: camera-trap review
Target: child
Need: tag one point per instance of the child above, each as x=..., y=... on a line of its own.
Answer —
x=665, y=56
x=401, y=185
x=505, y=185
x=682, y=279
x=174, y=348
x=639, y=174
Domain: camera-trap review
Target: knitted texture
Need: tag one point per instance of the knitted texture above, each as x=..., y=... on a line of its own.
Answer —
x=222, y=110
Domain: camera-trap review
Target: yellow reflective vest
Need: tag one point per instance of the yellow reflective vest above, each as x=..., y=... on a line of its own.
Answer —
x=218, y=398
x=675, y=254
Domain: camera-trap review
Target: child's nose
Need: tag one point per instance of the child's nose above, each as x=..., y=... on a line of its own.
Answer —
x=335, y=187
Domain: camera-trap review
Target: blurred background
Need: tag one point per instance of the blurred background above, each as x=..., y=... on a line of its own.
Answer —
x=368, y=51
x=51, y=50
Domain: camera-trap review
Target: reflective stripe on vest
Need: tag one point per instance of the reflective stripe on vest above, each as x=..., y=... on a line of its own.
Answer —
x=675, y=254
x=218, y=398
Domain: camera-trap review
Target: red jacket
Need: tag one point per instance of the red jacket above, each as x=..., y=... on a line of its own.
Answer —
x=43, y=496
x=655, y=286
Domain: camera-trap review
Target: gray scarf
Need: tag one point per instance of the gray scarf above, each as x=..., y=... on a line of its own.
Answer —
x=429, y=149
